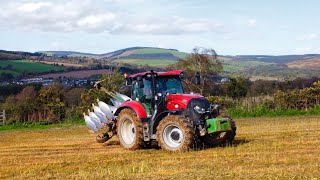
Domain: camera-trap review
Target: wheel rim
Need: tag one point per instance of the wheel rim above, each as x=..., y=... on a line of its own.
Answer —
x=172, y=135
x=128, y=131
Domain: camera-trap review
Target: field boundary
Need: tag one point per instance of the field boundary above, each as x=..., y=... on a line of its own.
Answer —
x=2, y=117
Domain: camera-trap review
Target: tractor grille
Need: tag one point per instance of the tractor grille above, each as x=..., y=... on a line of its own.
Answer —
x=193, y=114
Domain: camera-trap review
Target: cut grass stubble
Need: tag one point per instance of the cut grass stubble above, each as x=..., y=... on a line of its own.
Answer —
x=264, y=148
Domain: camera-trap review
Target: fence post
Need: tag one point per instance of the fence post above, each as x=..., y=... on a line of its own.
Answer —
x=4, y=117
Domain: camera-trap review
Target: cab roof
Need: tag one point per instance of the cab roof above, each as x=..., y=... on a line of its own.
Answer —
x=167, y=73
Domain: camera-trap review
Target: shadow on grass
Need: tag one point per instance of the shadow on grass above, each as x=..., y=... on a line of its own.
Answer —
x=238, y=142
x=235, y=143
x=112, y=142
x=197, y=147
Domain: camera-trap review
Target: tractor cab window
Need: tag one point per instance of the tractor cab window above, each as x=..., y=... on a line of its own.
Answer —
x=169, y=84
x=142, y=94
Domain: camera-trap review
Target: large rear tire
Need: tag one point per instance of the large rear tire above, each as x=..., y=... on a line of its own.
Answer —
x=129, y=130
x=175, y=133
x=221, y=138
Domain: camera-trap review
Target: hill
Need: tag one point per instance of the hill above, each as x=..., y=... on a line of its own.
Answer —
x=263, y=66
x=17, y=55
x=145, y=53
x=282, y=59
x=312, y=64
x=24, y=67
x=127, y=53
x=152, y=56
x=67, y=54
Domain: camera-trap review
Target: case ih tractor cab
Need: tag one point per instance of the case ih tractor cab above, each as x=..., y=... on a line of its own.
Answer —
x=161, y=111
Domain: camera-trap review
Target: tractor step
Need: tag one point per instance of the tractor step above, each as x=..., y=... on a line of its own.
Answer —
x=146, y=135
x=218, y=125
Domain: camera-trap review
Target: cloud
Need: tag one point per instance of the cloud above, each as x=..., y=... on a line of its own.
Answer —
x=94, y=16
x=167, y=26
x=309, y=37
x=252, y=22
x=55, y=16
x=32, y=6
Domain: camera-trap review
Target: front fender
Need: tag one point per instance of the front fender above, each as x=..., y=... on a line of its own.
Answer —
x=136, y=106
x=160, y=116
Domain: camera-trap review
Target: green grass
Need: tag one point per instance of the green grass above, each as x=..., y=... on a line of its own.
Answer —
x=14, y=73
x=158, y=50
x=20, y=66
x=236, y=66
x=263, y=111
x=151, y=62
x=33, y=126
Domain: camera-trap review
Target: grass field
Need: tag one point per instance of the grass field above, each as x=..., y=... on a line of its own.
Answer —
x=75, y=74
x=265, y=148
x=20, y=66
x=157, y=50
x=236, y=66
x=64, y=64
x=151, y=62
x=14, y=73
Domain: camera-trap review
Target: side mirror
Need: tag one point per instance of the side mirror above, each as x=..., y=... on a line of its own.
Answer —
x=128, y=81
x=140, y=82
x=197, y=78
x=181, y=75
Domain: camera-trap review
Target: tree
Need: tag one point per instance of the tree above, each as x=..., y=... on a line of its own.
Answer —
x=73, y=97
x=22, y=106
x=236, y=87
x=52, y=100
x=112, y=81
x=203, y=61
x=6, y=76
x=262, y=87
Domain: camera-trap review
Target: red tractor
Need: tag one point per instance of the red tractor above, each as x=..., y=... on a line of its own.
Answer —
x=161, y=111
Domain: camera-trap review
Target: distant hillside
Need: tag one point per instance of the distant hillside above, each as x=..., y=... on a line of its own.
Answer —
x=283, y=59
x=16, y=68
x=145, y=53
x=276, y=67
x=16, y=55
x=127, y=53
x=67, y=54
x=312, y=64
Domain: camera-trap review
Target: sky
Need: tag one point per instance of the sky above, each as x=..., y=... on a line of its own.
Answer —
x=231, y=27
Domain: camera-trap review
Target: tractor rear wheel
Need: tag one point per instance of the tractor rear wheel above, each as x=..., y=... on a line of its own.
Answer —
x=129, y=130
x=221, y=138
x=175, y=133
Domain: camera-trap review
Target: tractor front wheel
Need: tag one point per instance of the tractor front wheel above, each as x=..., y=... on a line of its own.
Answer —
x=175, y=133
x=129, y=130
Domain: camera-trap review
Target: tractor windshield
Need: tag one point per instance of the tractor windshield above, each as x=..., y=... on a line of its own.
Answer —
x=169, y=84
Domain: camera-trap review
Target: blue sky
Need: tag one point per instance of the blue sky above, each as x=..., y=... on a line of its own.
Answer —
x=98, y=26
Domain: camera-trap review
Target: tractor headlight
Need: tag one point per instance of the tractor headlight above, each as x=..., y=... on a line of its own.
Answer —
x=199, y=110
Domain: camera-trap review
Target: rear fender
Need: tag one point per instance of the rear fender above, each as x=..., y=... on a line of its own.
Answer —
x=136, y=106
